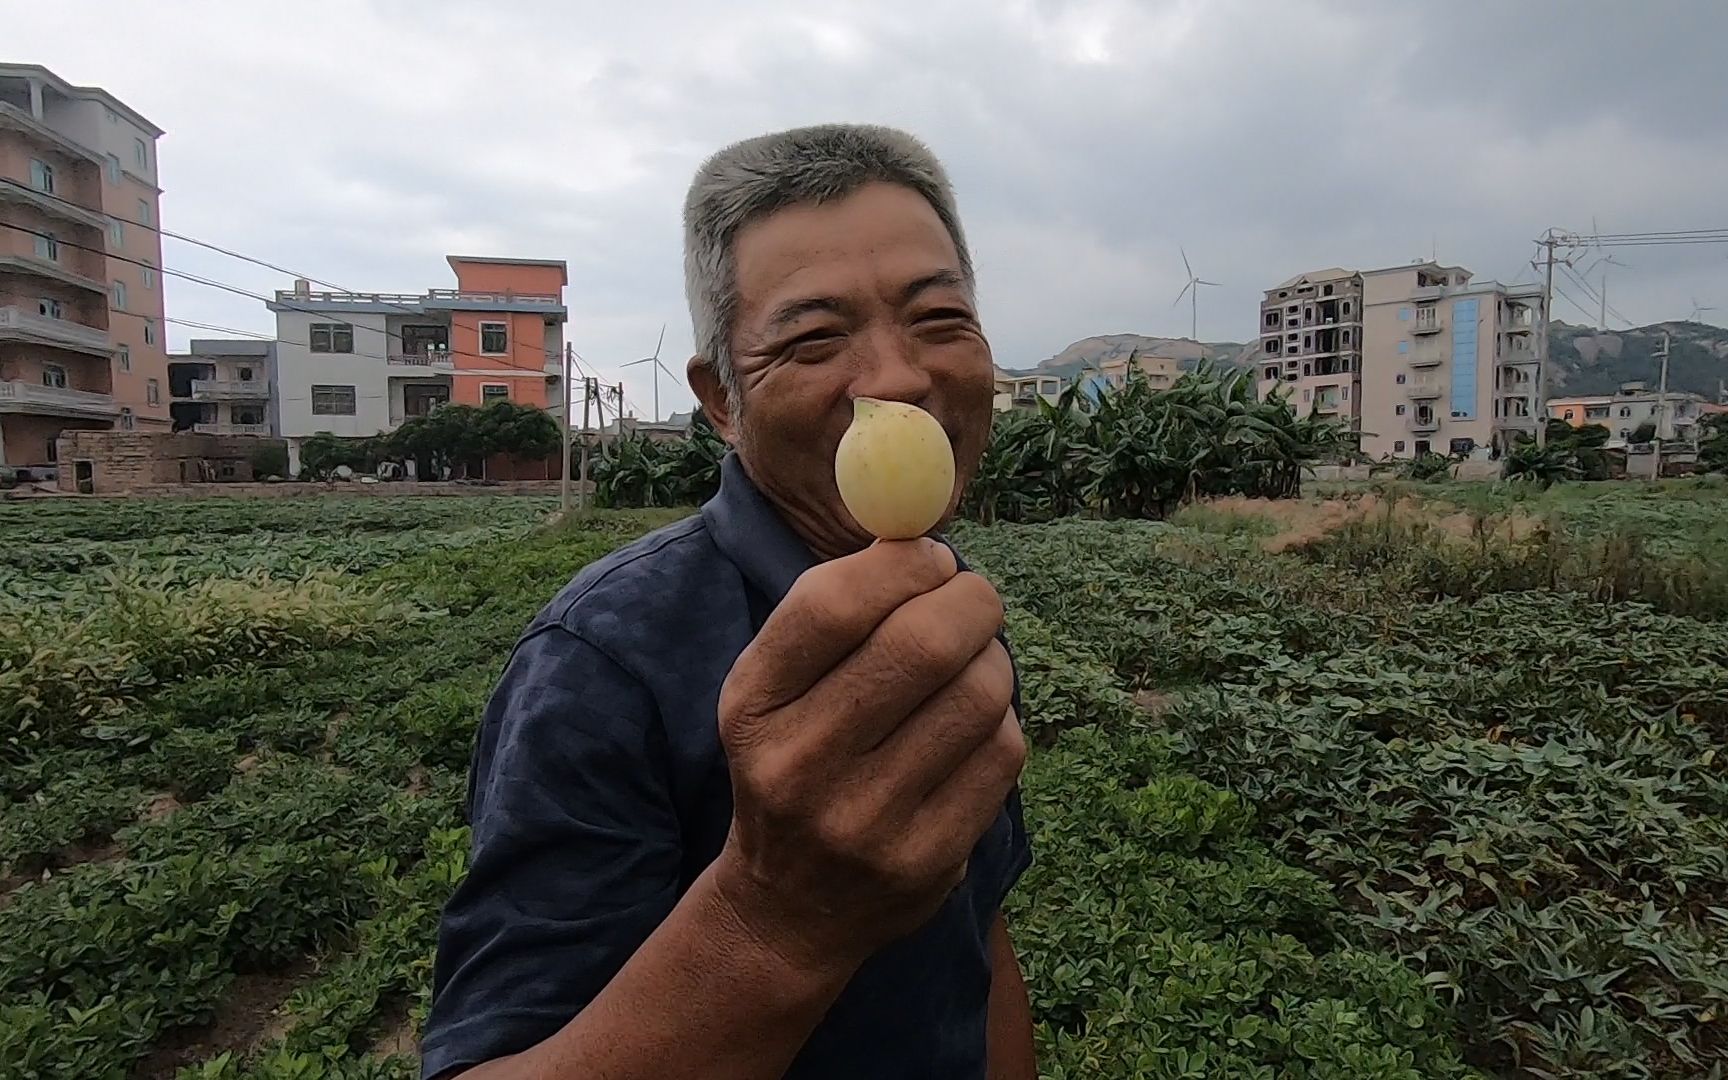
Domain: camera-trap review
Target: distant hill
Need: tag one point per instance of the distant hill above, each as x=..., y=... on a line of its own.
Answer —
x=1585, y=361
x=1590, y=362
x=1092, y=351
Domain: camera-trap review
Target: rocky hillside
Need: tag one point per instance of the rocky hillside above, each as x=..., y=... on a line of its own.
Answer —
x=1590, y=362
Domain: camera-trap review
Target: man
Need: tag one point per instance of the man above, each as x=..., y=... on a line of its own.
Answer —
x=744, y=800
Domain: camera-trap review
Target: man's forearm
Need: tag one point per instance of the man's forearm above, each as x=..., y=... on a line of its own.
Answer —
x=1011, y=1051
x=707, y=995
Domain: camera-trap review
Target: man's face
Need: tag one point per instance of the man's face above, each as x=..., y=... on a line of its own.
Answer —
x=862, y=297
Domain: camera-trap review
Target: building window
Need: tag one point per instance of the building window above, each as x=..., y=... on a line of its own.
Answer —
x=149, y=331
x=1625, y=433
x=490, y=392
x=1305, y=395
x=1325, y=290
x=42, y=176
x=141, y=153
x=50, y=308
x=119, y=296
x=144, y=217
x=1344, y=392
x=1400, y=379
x=1403, y=347
x=1398, y=446
x=1461, y=447
x=1569, y=414
x=247, y=414
x=53, y=453
x=47, y=247
x=332, y=400
x=1271, y=373
x=1398, y=410
x=1272, y=318
x=245, y=374
x=126, y=420
x=1625, y=410
x=328, y=337
x=1345, y=307
x=113, y=169
x=54, y=375
x=152, y=392
x=494, y=338
x=125, y=356
x=117, y=232
x=149, y=275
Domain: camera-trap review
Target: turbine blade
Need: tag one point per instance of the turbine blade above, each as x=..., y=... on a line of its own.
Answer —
x=1181, y=294
x=660, y=342
x=1185, y=265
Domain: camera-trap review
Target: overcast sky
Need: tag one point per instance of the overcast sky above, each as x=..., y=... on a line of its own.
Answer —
x=360, y=142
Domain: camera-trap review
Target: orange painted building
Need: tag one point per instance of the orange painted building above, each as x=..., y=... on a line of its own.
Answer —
x=359, y=364
x=82, y=341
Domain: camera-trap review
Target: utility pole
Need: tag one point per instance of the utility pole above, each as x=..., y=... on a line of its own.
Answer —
x=564, y=461
x=587, y=399
x=1661, y=405
x=1550, y=240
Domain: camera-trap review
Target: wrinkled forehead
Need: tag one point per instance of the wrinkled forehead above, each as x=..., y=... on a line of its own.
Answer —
x=877, y=240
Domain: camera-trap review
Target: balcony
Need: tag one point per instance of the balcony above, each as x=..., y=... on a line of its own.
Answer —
x=1422, y=389
x=20, y=324
x=230, y=390
x=61, y=210
x=231, y=429
x=29, y=264
x=17, y=396
x=431, y=359
x=1426, y=357
x=1427, y=322
x=1521, y=321
x=1420, y=422
x=1516, y=423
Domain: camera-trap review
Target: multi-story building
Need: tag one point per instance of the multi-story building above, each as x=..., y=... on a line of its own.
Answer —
x=359, y=364
x=1160, y=372
x=1416, y=358
x=1311, y=343
x=224, y=387
x=82, y=343
x=1635, y=405
x=1024, y=389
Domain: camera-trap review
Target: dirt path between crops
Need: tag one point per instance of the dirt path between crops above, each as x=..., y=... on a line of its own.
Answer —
x=247, y=1018
x=399, y=1036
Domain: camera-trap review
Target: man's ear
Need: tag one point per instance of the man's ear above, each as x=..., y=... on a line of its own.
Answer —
x=705, y=384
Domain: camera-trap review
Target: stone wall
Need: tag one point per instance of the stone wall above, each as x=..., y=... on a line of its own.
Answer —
x=119, y=462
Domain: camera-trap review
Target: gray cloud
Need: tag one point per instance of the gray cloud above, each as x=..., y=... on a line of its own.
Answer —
x=1088, y=138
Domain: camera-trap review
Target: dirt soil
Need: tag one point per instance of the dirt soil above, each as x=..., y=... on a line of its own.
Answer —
x=399, y=1036
x=247, y=1018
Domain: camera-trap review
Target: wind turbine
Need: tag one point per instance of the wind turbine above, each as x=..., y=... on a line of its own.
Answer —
x=1192, y=291
x=658, y=368
x=1699, y=309
x=1604, y=262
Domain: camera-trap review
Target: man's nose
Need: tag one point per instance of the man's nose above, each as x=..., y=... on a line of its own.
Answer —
x=889, y=367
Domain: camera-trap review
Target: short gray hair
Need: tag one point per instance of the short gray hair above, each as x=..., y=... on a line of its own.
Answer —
x=749, y=180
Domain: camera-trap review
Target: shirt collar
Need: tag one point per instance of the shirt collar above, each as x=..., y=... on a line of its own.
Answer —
x=750, y=532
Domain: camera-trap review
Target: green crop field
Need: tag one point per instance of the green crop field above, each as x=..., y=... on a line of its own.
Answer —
x=1361, y=787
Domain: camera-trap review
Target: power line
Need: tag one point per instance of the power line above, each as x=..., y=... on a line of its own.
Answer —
x=1587, y=314
x=225, y=287
x=257, y=262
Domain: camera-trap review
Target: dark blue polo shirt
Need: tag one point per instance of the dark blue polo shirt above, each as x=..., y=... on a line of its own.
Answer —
x=599, y=792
